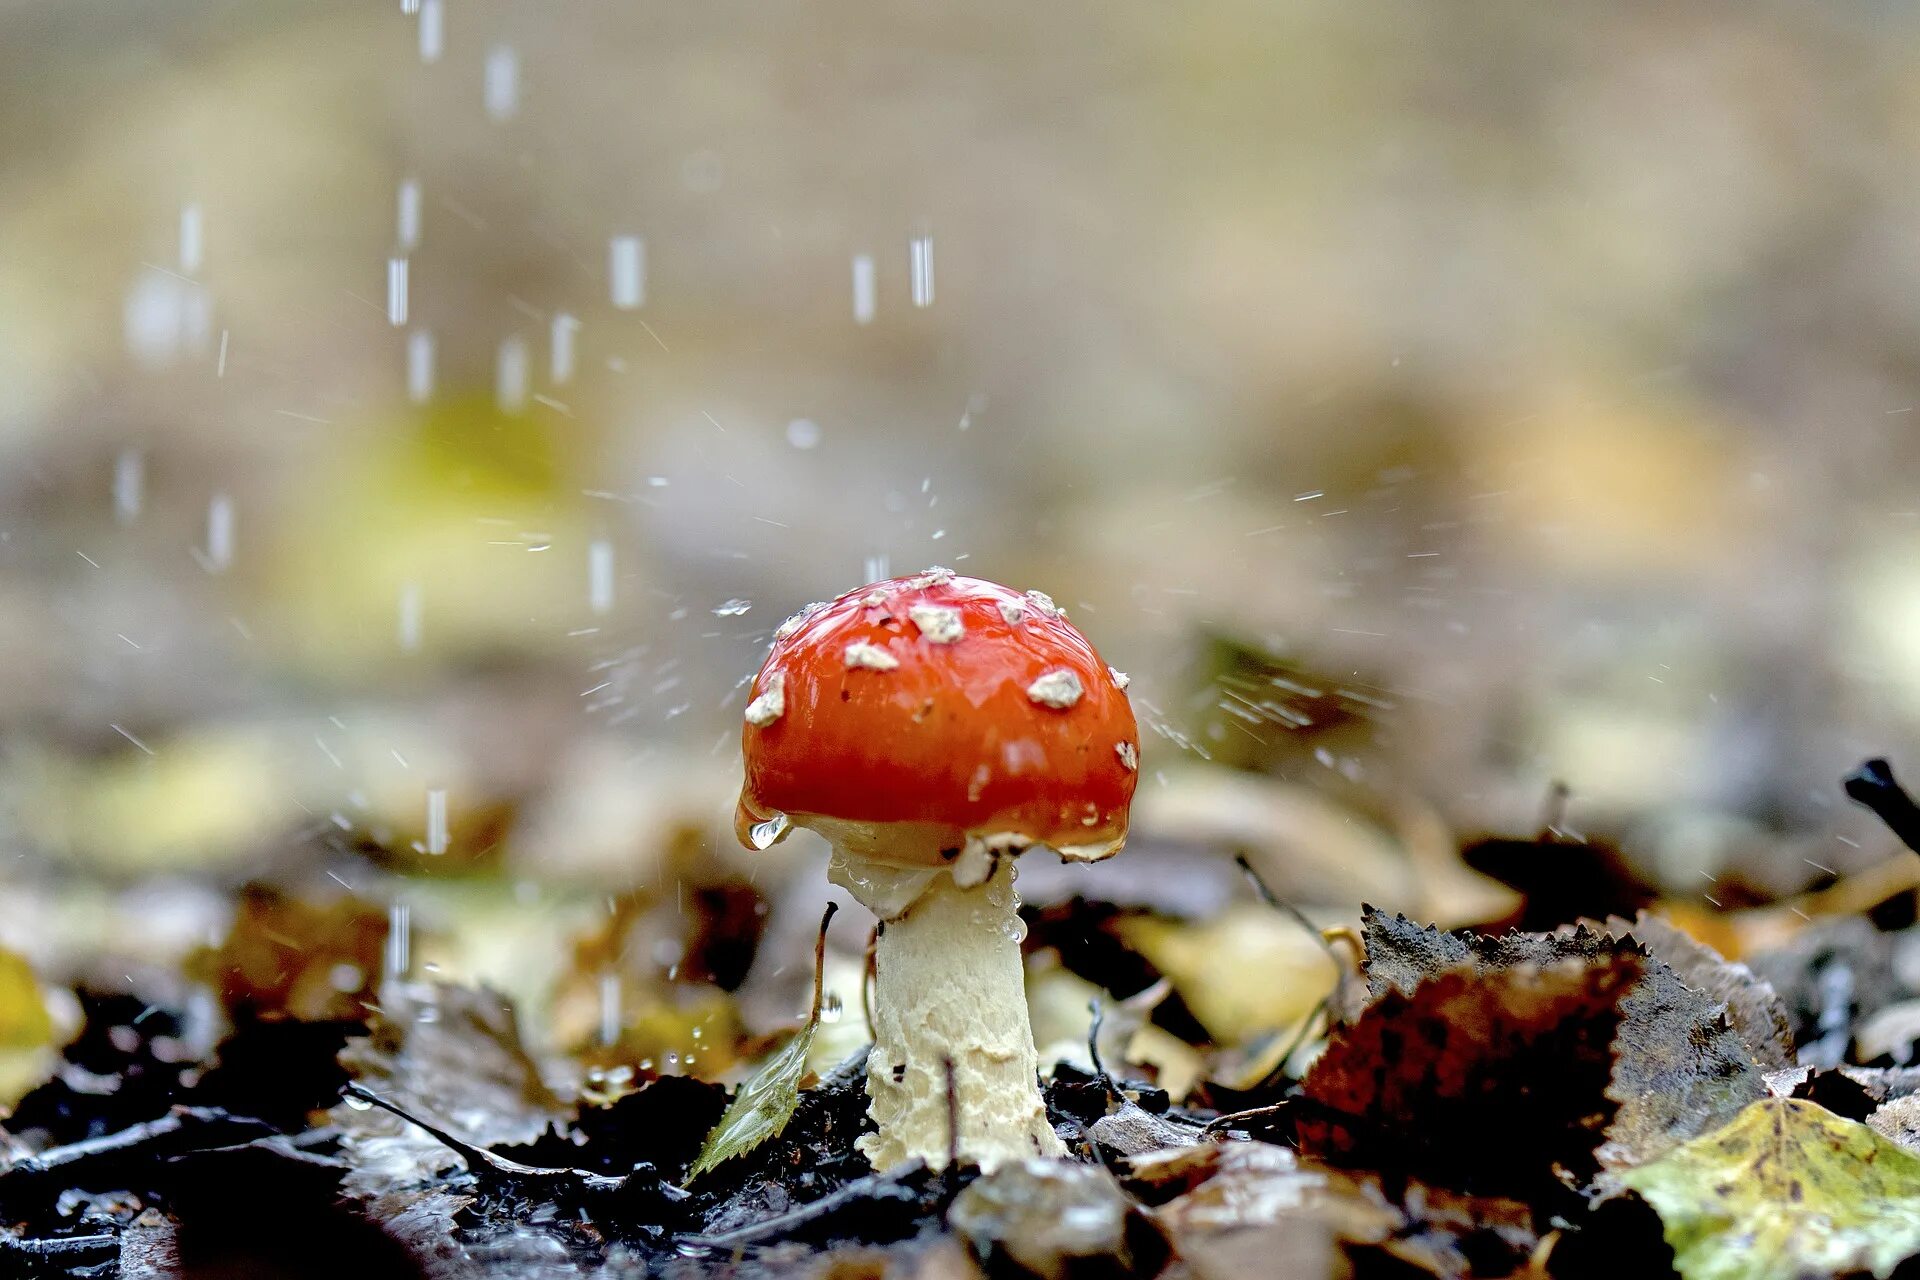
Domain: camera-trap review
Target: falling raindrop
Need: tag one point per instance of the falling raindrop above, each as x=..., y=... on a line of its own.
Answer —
x=503, y=82
x=609, y=1009
x=432, y=31
x=419, y=366
x=879, y=568
x=600, y=575
x=732, y=608
x=410, y=618
x=803, y=433
x=408, y=220
x=399, y=940
x=129, y=482
x=863, y=288
x=920, y=262
x=560, y=351
x=219, y=533
x=396, y=291
x=510, y=375
x=437, y=820
x=191, y=241
x=627, y=271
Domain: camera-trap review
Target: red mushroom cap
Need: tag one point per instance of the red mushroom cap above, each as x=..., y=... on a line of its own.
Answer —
x=908, y=715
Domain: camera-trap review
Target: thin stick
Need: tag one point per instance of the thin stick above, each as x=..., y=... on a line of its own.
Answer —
x=1554, y=811
x=1279, y=1071
x=820, y=961
x=483, y=1162
x=1218, y=1123
x=874, y=1186
x=1107, y=1081
x=1873, y=786
x=1278, y=903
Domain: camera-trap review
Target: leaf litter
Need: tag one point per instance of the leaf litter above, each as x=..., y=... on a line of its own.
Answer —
x=1602, y=1096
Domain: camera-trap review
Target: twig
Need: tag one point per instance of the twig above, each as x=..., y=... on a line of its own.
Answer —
x=150, y=1132
x=1554, y=811
x=1873, y=786
x=483, y=1162
x=875, y=1186
x=820, y=961
x=1279, y=1071
x=59, y=1246
x=1274, y=900
x=1106, y=1079
x=1228, y=1121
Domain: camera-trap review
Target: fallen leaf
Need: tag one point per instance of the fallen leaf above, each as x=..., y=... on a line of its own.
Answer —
x=1786, y=1190
x=26, y=1031
x=1484, y=1081
x=762, y=1107
x=1678, y=1068
x=1250, y=971
x=765, y=1103
x=1756, y=1012
x=24, y=1020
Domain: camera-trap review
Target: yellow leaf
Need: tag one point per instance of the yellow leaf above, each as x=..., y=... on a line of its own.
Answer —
x=1786, y=1189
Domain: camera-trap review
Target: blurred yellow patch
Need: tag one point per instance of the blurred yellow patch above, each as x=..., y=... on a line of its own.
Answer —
x=456, y=535
x=1611, y=489
x=1248, y=972
x=26, y=1031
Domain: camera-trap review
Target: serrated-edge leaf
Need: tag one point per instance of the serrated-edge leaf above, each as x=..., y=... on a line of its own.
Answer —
x=761, y=1108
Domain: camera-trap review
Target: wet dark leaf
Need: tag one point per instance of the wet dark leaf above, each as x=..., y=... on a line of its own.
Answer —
x=1479, y=1080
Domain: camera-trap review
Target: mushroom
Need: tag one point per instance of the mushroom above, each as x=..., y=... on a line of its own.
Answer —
x=931, y=729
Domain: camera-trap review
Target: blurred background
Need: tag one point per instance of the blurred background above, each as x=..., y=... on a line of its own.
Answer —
x=415, y=417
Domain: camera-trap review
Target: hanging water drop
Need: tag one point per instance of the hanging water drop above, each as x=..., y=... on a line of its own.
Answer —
x=765, y=834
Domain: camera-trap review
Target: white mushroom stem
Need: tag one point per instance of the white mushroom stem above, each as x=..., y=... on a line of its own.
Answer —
x=949, y=986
